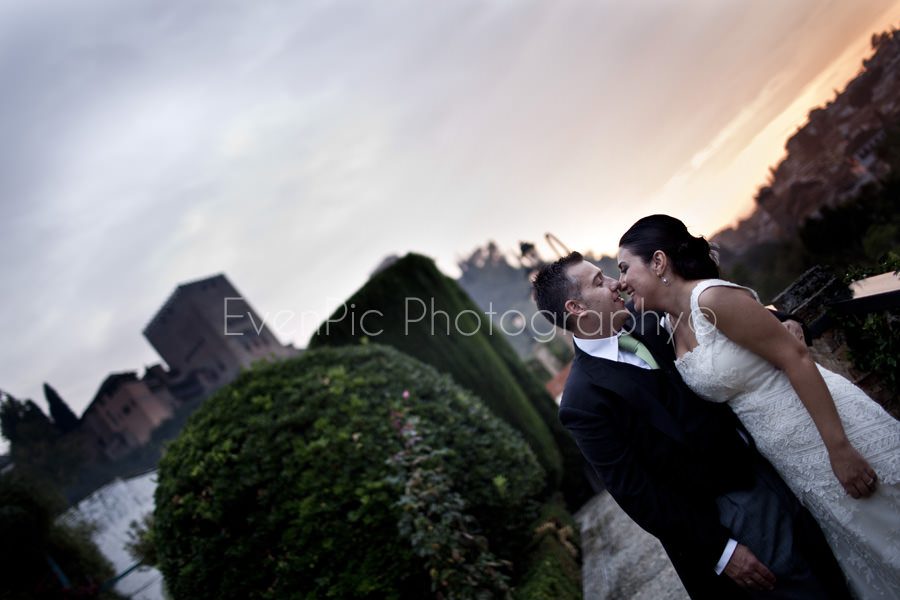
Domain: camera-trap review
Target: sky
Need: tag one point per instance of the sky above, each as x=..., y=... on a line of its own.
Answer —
x=294, y=145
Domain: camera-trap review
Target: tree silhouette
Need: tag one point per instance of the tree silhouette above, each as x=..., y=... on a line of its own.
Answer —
x=63, y=417
x=32, y=536
x=35, y=445
x=23, y=421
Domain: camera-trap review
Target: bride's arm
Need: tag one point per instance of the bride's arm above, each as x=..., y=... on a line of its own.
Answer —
x=748, y=323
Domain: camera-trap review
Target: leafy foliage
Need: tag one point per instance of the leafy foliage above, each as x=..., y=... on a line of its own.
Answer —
x=474, y=352
x=874, y=339
x=141, y=543
x=552, y=570
x=433, y=519
x=280, y=485
x=858, y=232
x=23, y=421
x=874, y=342
x=31, y=535
x=768, y=267
x=36, y=446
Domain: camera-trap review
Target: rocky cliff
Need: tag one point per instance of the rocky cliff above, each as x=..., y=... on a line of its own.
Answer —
x=831, y=157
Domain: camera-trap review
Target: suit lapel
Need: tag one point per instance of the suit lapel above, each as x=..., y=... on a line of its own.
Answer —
x=648, y=329
x=640, y=388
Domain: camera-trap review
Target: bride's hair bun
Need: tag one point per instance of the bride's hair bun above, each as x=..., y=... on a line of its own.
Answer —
x=691, y=257
x=695, y=247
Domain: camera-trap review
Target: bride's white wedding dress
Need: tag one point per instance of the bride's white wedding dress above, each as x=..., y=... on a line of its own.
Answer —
x=863, y=534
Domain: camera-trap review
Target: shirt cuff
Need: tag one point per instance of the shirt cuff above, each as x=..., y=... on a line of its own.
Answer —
x=726, y=556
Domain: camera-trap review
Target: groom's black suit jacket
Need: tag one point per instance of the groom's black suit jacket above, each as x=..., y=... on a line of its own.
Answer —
x=663, y=453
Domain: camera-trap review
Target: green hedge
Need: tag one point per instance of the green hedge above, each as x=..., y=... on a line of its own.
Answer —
x=552, y=570
x=874, y=338
x=484, y=363
x=304, y=479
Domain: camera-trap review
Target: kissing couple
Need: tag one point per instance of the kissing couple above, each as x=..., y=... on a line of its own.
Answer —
x=762, y=474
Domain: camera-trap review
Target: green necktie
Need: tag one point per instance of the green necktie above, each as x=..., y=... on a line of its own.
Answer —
x=631, y=344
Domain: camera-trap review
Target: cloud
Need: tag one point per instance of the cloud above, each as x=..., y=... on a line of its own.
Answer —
x=293, y=145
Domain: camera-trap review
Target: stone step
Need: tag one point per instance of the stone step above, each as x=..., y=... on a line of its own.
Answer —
x=621, y=560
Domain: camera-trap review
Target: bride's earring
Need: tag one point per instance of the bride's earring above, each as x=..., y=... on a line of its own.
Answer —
x=664, y=280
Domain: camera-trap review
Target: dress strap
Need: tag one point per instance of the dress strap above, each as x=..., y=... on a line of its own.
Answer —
x=704, y=323
x=708, y=283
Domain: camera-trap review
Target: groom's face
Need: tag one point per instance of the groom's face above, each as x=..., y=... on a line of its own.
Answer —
x=599, y=308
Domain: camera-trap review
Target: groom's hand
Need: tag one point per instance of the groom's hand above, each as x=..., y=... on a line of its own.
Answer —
x=747, y=571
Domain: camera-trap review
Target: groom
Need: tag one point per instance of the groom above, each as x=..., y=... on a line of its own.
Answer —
x=682, y=468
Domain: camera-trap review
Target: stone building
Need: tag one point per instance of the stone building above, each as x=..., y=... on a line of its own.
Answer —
x=124, y=413
x=206, y=332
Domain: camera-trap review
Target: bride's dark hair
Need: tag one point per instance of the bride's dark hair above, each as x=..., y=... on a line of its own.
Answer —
x=691, y=257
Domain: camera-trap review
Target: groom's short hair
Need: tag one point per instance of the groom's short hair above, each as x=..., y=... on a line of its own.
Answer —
x=553, y=287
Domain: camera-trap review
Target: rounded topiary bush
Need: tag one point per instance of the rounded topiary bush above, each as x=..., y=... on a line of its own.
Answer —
x=322, y=476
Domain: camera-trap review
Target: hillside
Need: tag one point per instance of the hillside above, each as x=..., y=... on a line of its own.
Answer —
x=832, y=200
x=831, y=158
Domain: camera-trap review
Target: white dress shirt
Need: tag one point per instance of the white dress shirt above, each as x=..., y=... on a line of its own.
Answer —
x=608, y=348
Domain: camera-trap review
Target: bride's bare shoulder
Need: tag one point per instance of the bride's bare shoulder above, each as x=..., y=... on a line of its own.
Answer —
x=720, y=296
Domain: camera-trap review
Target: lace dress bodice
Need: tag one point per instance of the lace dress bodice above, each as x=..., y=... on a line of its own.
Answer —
x=719, y=370
x=762, y=397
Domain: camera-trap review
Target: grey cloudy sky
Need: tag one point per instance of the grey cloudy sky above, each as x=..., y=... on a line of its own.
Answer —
x=292, y=145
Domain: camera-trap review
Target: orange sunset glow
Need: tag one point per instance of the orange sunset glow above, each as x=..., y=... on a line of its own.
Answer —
x=294, y=148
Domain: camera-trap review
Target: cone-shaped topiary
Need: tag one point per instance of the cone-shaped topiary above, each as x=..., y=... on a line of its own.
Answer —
x=413, y=307
x=313, y=477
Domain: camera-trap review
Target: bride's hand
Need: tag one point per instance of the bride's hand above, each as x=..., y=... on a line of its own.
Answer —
x=853, y=471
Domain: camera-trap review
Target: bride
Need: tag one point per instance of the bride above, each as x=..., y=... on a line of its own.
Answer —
x=835, y=447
